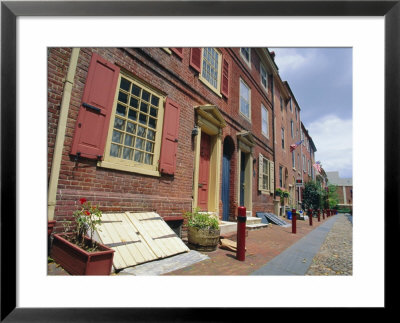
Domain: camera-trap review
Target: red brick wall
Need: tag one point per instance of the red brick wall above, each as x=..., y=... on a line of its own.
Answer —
x=116, y=190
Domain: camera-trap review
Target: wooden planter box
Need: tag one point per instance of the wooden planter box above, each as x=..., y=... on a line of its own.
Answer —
x=79, y=262
x=203, y=239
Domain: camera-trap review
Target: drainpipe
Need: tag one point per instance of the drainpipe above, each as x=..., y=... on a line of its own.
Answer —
x=60, y=137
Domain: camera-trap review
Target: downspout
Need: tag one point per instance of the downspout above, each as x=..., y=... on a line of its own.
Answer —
x=60, y=137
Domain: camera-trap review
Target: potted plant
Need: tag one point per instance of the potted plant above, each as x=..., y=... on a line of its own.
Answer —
x=203, y=230
x=278, y=192
x=76, y=252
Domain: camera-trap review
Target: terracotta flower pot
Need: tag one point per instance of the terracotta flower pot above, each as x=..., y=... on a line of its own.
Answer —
x=50, y=226
x=77, y=261
x=203, y=239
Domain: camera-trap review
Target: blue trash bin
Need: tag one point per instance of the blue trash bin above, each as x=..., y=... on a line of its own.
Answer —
x=289, y=215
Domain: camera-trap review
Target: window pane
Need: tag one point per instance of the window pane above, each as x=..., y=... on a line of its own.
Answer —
x=130, y=127
x=115, y=150
x=117, y=136
x=153, y=112
x=151, y=134
x=135, y=90
x=125, y=84
x=155, y=100
x=132, y=114
x=123, y=97
x=127, y=153
x=138, y=156
x=141, y=132
x=148, y=159
x=143, y=118
x=145, y=96
x=149, y=146
x=119, y=123
x=121, y=110
x=128, y=140
x=134, y=102
x=144, y=107
x=152, y=123
x=139, y=143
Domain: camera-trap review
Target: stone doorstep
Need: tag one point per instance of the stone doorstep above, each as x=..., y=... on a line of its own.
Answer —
x=252, y=223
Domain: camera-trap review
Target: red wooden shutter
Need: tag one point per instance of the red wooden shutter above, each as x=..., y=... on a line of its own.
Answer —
x=178, y=51
x=169, y=142
x=225, y=78
x=94, y=115
x=195, y=58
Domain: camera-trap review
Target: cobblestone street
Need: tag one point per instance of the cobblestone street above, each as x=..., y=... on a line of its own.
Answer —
x=336, y=254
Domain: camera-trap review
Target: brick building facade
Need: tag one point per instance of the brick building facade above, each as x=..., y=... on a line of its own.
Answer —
x=160, y=129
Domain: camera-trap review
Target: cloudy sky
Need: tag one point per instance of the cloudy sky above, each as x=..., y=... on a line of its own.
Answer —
x=321, y=80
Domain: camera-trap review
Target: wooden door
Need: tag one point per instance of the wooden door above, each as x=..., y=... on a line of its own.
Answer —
x=204, y=171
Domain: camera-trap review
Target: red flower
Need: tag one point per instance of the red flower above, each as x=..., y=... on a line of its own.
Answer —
x=87, y=212
x=82, y=200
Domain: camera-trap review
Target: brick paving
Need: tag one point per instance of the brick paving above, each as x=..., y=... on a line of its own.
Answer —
x=261, y=246
x=336, y=254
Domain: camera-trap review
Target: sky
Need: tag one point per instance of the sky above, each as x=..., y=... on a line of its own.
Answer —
x=321, y=80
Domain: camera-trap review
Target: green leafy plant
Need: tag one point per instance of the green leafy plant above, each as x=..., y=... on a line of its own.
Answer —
x=285, y=194
x=88, y=217
x=278, y=192
x=201, y=220
x=312, y=196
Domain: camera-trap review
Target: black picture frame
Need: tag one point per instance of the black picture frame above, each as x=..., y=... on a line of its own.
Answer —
x=10, y=10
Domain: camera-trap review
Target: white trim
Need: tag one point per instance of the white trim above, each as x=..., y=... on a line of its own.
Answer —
x=248, y=62
x=240, y=107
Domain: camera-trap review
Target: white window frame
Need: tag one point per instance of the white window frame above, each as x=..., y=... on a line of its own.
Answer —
x=263, y=68
x=263, y=108
x=283, y=138
x=217, y=89
x=120, y=163
x=267, y=188
x=240, y=101
x=248, y=62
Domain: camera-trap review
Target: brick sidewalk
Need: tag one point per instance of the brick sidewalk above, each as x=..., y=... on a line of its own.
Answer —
x=261, y=245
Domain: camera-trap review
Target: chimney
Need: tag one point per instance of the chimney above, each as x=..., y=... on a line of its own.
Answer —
x=273, y=55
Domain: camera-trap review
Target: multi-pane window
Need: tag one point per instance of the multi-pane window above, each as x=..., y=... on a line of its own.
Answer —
x=304, y=163
x=281, y=101
x=264, y=76
x=298, y=161
x=245, y=52
x=283, y=138
x=264, y=121
x=280, y=176
x=244, y=99
x=290, y=102
x=265, y=174
x=135, y=124
x=211, y=66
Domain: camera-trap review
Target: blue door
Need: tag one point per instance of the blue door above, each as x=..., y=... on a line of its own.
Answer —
x=226, y=170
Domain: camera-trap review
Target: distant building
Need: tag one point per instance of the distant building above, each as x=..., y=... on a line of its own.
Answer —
x=344, y=188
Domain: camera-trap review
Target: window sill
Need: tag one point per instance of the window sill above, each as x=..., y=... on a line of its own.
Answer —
x=127, y=168
x=244, y=116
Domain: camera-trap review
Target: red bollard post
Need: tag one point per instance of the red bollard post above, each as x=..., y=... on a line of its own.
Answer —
x=328, y=213
x=323, y=214
x=310, y=216
x=241, y=234
x=293, y=220
x=319, y=216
